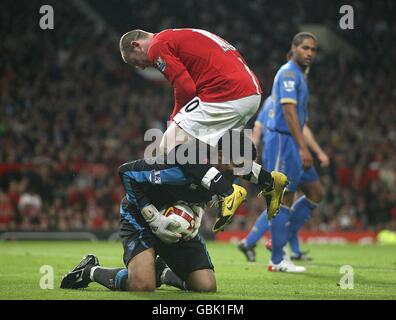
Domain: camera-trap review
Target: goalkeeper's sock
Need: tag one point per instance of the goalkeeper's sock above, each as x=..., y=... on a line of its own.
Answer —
x=214, y=181
x=210, y=178
x=258, y=230
x=169, y=278
x=260, y=177
x=301, y=212
x=112, y=278
x=198, y=169
x=280, y=233
x=115, y=278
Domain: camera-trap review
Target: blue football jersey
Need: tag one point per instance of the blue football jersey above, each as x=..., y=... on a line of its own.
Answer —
x=289, y=86
x=266, y=115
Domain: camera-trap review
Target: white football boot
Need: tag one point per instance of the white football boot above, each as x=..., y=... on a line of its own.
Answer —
x=285, y=266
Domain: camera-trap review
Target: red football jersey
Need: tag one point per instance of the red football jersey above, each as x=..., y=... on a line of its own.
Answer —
x=199, y=63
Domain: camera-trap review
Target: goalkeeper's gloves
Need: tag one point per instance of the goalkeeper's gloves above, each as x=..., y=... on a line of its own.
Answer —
x=198, y=211
x=160, y=225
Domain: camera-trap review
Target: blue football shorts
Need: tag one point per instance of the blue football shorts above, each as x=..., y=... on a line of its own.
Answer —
x=281, y=154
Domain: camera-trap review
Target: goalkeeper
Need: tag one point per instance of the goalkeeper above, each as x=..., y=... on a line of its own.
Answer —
x=145, y=233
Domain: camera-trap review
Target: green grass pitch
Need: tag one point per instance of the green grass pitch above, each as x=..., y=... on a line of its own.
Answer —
x=374, y=273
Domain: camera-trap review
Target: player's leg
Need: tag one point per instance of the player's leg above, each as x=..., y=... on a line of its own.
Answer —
x=280, y=233
x=146, y=271
x=231, y=195
x=314, y=191
x=272, y=182
x=174, y=136
x=141, y=272
x=302, y=210
x=273, y=187
x=283, y=154
x=136, y=238
x=117, y=279
x=191, y=262
x=139, y=276
x=208, y=123
x=191, y=154
x=164, y=275
x=202, y=280
x=111, y=278
x=280, y=229
x=271, y=160
x=248, y=244
x=89, y=270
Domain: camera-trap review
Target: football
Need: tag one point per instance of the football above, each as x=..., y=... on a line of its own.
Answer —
x=183, y=214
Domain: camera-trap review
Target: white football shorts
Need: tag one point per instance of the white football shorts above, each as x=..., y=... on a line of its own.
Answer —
x=209, y=121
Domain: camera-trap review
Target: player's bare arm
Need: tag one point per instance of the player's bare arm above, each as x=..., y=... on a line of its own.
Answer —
x=315, y=147
x=257, y=130
x=291, y=117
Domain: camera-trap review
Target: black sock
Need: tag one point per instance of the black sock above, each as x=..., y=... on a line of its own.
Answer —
x=260, y=177
x=169, y=278
x=216, y=182
x=205, y=173
x=111, y=278
x=265, y=179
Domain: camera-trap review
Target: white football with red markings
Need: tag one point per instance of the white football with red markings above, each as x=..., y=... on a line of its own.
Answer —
x=184, y=215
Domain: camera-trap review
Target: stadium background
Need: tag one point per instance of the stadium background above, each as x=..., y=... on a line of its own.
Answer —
x=71, y=111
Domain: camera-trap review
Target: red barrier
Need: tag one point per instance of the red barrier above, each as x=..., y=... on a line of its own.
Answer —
x=336, y=237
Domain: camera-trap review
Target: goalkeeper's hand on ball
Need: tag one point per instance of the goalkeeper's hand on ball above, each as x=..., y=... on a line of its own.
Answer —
x=160, y=225
x=198, y=211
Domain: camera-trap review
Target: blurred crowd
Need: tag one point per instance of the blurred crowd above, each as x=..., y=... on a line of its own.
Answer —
x=71, y=112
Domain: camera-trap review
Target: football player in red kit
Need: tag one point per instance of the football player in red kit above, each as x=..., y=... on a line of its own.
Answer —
x=215, y=92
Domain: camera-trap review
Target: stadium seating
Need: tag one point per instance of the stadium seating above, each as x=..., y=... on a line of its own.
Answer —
x=71, y=112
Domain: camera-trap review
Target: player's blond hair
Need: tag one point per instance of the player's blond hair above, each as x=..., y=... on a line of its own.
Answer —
x=127, y=38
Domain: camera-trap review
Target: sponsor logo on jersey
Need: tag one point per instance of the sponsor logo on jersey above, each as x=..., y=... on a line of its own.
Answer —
x=155, y=177
x=289, y=85
x=160, y=64
x=131, y=245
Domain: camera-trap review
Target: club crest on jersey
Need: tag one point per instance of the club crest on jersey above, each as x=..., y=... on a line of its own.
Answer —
x=160, y=64
x=289, y=74
x=131, y=245
x=289, y=85
x=155, y=177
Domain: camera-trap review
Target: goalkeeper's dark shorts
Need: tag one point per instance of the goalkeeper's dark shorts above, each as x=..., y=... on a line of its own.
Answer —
x=182, y=257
